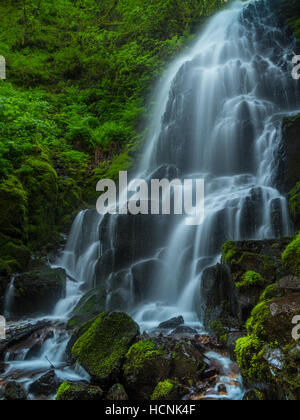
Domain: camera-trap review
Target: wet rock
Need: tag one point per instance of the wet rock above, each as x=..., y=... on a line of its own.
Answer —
x=269, y=355
x=289, y=171
x=47, y=384
x=153, y=361
x=262, y=257
x=117, y=393
x=72, y=391
x=254, y=395
x=38, y=291
x=168, y=390
x=232, y=338
x=144, y=274
x=20, y=334
x=118, y=300
x=13, y=391
x=183, y=330
x=222, y=389
x=172, y=323
x=217, y=293
x=102, y=348
x=145, y=365
x=89, y=306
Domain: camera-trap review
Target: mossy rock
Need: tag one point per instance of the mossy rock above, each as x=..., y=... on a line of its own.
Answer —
x=168, y=390
x=117, y=393
x=102, y=348
x=268, y=354
x=79, y=392
x=294, y=201
x=38, y=291
x=291, y=257
x=89, y=306
x=145, y=365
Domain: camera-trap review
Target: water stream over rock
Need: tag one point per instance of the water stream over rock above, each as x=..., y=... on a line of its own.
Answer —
x=218, y=116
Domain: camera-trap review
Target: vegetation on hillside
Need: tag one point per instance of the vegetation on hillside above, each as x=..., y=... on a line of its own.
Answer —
x=78, y=76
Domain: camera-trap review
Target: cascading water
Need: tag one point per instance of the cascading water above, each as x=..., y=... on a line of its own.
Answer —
x=218, y=117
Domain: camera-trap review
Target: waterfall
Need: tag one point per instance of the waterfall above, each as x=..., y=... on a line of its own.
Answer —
x=9, y=297
x=218, y=117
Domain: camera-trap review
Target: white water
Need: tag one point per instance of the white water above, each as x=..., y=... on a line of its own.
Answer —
x=9, y=297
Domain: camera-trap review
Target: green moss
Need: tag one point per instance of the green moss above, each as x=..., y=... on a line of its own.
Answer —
x=249, y=358
x=102, y=348
x=139, y=353
x=90, y=305
x=78, y=392
x=228, y=251
x=251, y=279
x=294, y=200
x=291, y=257
x=163, y=390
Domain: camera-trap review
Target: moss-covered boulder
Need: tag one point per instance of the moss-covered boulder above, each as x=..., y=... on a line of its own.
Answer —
x=294, y=201
x=269, y=356
x=89, y=306
x=38, y=291
x=145, y=365
x=168, y=390
x=117, y=393
x=291, y=257
x=252, y=266
x=151, y=361
x=102, y=348
x=79, y=392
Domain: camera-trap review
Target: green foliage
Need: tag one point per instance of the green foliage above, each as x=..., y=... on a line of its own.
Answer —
x=78, y=77
x=291, y=257
x=250, y=280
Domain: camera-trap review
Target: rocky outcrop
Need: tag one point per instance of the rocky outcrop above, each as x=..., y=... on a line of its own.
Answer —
x=289, y=171
x=90, y=305
x=46, y=385
x=38, y=291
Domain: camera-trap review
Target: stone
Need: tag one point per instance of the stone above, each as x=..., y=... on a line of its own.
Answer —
x=37, y=292
x=14, y=391
x=72, y=391
x=117, y=393
x=100, y=350
x=171, y=323
x=47, y=384
x=90, y=305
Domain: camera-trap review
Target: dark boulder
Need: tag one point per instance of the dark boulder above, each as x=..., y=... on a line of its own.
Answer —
x=38, y=291
x=90, y=305
x=171, y=323
x=218, y=300
x=117, y=393
x=14, y=391
x=46, y=385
